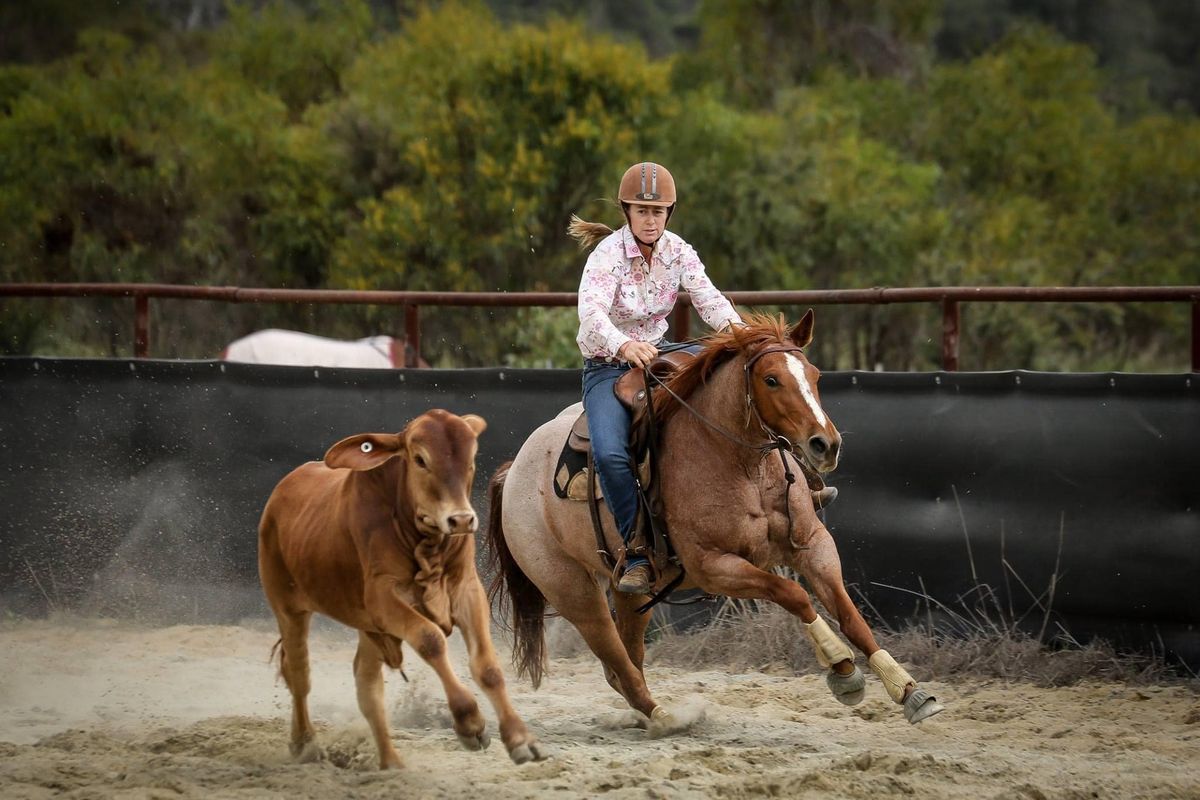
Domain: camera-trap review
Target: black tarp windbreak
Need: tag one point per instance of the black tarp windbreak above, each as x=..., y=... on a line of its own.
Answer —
x=134, y=487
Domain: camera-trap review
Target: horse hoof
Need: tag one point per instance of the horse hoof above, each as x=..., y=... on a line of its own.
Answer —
x=308, y=753
x=667, y=723
x=530, y=751
x=477, y=742
x=921, y=705
x=849, y=689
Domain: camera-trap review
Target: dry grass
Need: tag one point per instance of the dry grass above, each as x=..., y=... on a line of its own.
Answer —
x=745, y=635
x=979, y=634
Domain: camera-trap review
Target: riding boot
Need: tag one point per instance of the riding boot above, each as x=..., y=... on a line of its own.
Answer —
x=636, y=578
x=823, y=497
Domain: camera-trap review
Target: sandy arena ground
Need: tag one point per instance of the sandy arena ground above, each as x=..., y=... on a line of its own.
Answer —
x=102, y=709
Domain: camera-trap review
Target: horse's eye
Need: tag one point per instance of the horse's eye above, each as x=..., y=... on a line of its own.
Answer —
x=770, y=381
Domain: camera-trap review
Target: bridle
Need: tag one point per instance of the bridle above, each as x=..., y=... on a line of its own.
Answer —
x=776, y=440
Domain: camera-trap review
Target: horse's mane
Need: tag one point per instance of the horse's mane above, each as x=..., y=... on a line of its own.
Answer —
x=759, y=330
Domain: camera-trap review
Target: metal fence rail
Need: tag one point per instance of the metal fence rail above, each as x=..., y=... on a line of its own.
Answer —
x=950, y=298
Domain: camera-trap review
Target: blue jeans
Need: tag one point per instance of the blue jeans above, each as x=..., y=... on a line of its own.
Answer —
x=609, y=422
x=608, y=426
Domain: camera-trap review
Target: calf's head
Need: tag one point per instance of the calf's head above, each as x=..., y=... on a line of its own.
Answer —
x=437, y=467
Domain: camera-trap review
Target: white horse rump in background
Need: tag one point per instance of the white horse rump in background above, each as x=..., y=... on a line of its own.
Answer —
x=296, y=349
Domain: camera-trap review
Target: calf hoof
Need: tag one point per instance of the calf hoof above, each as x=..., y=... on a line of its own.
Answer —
x=920, y=705
x=533, y=750
x=479, y=741
x=307, y=752
x=849, y=690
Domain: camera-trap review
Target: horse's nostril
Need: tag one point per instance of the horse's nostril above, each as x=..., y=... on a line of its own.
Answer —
x=818, y=445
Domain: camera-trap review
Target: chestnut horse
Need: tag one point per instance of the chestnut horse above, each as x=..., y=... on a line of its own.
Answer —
x=733, y=515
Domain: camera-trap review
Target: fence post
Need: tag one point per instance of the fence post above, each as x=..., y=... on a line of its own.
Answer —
x=680, y=320
x=412, y=335
x=141, y=326
x=1196, y=335
x=950, y=335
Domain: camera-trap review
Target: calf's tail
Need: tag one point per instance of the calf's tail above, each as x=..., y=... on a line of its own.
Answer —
x=525, y=599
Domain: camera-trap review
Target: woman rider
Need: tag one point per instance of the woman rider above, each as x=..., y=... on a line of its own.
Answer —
x=629, y=287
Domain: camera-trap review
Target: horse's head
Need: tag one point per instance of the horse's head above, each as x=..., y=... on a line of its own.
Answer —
x=782, y=387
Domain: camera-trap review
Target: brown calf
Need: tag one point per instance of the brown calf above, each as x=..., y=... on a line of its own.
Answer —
x=381, y=537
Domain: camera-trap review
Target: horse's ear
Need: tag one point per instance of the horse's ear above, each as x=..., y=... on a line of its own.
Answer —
x=364, y=451
x=802, y=332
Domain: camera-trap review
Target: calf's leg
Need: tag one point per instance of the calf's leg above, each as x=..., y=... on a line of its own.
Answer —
x=471, y=615
x=368, y=680
x=392, y=615
x=293, y=665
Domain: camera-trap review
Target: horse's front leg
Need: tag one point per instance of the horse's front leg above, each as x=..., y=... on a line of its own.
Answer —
x=821, y=568
x=732, y=575
x=728, y=574
x=471, y=615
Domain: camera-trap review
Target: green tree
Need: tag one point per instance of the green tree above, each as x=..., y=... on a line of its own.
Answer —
x=755, y=50
x=472, y=144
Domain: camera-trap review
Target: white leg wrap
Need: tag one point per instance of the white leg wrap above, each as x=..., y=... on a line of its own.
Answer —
x=894, y=677
x=829, y=648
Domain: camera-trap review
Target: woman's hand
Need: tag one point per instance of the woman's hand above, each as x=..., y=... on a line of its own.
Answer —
x=638, y=353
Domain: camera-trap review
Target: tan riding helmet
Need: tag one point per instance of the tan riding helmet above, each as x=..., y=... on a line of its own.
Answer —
x=647, y=184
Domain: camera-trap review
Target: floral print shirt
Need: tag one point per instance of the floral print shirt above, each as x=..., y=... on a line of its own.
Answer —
x=623, y=297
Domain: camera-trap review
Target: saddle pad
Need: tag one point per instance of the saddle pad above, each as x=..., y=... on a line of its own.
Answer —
x=571, y=473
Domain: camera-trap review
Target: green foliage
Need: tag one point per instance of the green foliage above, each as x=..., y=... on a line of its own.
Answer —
x=471, y=144
x=755, y=50
x=290, y=55
x=311, y=148
x=1147, y=48
x=474, y=168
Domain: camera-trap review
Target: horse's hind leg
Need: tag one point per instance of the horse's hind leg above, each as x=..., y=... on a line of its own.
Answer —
x=293, y=665
x=583, y=604
x=821, y=568
x=632, y=626
x=368, y=680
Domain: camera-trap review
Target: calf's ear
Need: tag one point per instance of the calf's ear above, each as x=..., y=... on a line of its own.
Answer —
x=364, y=451
x=475, y=422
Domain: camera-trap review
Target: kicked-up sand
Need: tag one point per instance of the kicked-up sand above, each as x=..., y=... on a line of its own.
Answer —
x=94, y=708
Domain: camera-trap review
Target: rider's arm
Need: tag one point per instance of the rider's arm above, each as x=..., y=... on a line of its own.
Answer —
x=598, y=336
x=714, y=308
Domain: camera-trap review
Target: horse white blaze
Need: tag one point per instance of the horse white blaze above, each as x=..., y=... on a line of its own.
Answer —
x=796, y=367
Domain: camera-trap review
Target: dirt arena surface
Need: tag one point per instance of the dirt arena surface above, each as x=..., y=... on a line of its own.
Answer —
x=104, y=709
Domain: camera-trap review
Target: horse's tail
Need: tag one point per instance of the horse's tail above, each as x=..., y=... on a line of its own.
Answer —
x=527, y=602
x=587, y=233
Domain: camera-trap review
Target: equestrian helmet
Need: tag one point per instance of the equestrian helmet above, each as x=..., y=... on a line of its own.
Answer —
x=647, y=184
